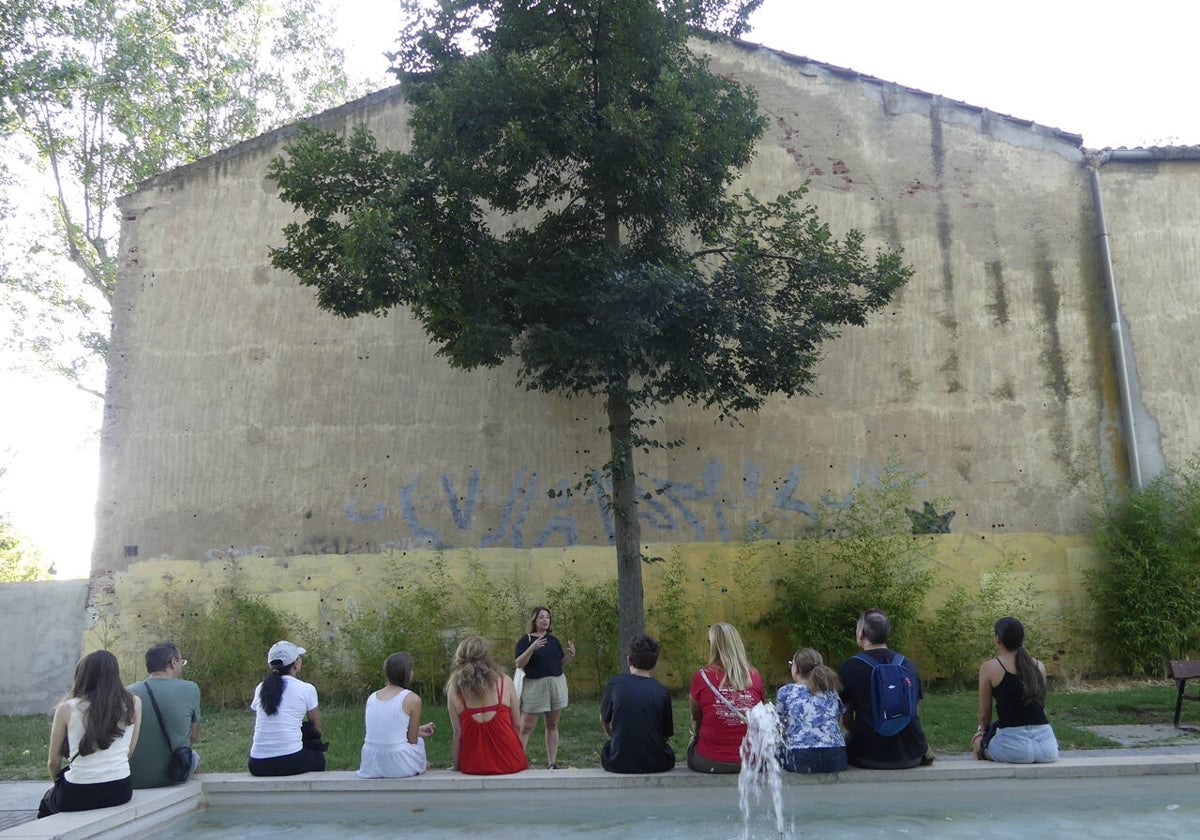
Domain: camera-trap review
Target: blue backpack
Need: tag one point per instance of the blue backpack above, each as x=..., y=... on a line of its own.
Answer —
x=893, y=695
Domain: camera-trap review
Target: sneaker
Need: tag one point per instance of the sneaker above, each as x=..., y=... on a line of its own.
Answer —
x=552, y=766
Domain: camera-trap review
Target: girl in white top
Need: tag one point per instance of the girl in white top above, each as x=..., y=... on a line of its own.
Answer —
x=394, y=746
x=98, y=721
x=285, y=744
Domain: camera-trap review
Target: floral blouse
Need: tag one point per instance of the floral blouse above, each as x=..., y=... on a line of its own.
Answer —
x=809, y=720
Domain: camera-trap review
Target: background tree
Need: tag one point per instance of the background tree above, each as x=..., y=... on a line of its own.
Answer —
x=19, y=559
x=99, y=95
x=565, y=203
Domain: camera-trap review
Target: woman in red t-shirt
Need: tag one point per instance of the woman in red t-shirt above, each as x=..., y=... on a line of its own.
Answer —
x=722, y=695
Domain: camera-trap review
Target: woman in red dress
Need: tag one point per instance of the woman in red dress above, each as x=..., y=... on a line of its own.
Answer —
x=484, y=714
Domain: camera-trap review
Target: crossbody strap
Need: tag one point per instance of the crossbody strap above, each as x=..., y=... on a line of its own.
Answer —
x=723, y=698
x=158, y=715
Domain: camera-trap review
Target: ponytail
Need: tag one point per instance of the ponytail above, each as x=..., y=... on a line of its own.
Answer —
x=271, y=692
x=1011, y=634
x=821, y=678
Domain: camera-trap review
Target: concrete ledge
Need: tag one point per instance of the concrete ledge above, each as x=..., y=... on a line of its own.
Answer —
x=148, y=810
x=151, y=809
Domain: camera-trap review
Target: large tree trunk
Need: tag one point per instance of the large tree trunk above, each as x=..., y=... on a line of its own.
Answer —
x=628, y=528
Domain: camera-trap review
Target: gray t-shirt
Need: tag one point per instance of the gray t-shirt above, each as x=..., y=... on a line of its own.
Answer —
x=179, y=702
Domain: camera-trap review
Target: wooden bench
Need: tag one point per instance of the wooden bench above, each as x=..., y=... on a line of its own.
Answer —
x=1183, y=670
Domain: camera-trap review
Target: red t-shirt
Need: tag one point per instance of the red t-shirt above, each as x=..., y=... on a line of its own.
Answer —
x=721, y=731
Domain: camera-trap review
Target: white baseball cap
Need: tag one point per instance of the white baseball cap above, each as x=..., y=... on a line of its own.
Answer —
x=285, y=653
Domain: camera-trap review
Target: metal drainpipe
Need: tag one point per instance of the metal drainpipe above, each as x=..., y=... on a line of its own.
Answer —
x=1117, y=326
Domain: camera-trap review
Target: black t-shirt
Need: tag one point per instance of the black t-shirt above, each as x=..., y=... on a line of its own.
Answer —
x=639, y=710
x=864, y=746
x=546, y=661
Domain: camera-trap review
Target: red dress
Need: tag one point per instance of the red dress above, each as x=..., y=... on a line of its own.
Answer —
x=490, y=747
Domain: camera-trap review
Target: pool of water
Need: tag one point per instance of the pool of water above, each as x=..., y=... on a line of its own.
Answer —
x=1142, y=807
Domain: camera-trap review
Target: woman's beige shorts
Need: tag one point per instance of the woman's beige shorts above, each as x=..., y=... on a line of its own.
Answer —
x=545, y=694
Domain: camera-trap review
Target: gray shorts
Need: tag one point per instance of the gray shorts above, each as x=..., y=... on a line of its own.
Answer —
x=544, y=694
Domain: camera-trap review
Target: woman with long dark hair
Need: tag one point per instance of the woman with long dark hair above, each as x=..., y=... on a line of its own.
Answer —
x=1017, y=682
x=394, y=743
x=484, y=714
x=98, y=722
x=285, y=742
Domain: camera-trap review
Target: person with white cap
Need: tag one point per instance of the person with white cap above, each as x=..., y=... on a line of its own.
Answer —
x=285, y=743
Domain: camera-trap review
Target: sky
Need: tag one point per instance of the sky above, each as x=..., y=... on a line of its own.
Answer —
x=1117, y=75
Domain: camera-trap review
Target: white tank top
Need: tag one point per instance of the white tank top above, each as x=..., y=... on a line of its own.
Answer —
x=101, y=766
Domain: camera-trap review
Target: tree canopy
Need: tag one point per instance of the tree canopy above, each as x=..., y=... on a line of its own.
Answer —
x=100, y=95
x=566, y=204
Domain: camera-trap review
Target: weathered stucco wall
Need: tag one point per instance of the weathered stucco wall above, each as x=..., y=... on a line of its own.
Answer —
x=242, y=421
x=1153, y=211
x=44, y=622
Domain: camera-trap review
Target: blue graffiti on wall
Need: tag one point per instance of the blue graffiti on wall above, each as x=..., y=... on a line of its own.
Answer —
x=698, y=510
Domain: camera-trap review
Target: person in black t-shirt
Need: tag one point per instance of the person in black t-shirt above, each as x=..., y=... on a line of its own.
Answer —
x=864, y=746
x=636, y=715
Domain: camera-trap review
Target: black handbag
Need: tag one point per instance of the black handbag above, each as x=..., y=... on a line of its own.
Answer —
x=179, y=765
x=52, y=798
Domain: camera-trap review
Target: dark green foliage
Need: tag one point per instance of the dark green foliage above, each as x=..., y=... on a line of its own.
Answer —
x=961, y=634
x=861, y=555
x=418, y=619
x=673, y=620
x=1147, y=585
x=226, y=645
x=587, y=614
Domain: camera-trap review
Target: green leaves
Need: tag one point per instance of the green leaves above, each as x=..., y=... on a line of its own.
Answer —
x=108, y=93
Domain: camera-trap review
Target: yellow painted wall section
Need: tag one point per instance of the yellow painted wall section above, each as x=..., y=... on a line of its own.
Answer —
x=726, y=582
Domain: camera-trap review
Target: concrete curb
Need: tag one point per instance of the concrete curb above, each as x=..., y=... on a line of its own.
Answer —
x=151, y=809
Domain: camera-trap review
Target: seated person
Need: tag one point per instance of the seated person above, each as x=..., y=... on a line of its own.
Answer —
x=1017, y=682
x=394, y=744
x=174, y=701
x=485, y=714
x=809, y=709
x=866, y=746
x=636, y=715
x=287, y=722
x=720, y=698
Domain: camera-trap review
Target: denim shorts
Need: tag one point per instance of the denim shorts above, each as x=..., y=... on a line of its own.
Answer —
x=1023, y=745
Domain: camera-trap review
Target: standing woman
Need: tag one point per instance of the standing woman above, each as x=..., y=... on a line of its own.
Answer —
x=98, y=721
x=285, y=744
x=394, y=744
x=721, y=696
x=484, y=714
x=544, y=691
x=1017, y=682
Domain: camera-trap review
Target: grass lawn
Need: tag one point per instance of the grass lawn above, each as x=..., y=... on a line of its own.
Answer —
x=948, y=718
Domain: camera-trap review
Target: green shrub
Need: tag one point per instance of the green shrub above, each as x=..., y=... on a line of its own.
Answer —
x=861, y=554
x=587, y=614
x=960, y=635
x=674, y=621
x=227, y=641
x=1147, y=584
x=496, y=609
x=420, y=618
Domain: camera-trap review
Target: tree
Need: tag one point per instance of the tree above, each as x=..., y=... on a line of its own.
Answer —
x=625, y=269
x=102, y=94
x=19, y=561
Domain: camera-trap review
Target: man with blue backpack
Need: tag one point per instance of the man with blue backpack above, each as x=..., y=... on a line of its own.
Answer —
x=881, y=690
